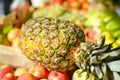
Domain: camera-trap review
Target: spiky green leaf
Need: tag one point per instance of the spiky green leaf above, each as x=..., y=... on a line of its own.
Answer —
x=116, y=76
x=105, y=77
x=114, y=65
x=115, y=52
x=98, y=72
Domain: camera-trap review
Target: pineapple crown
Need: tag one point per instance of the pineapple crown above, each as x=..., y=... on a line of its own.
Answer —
x=99, y=59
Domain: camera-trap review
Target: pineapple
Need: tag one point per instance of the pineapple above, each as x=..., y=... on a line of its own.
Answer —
x=60, y=45
x=51, y=42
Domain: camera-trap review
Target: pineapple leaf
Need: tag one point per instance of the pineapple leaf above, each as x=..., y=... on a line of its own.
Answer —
x=105, y=77
x=102, y=50
x=116, y=76
x=113, y=54
x=92, y=69
x=102, y=41
x=98, y=72
x=114, y=65
x=110, y=74
x=104, y=68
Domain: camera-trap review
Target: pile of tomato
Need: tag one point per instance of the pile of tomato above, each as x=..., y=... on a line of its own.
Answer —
x=72, y=4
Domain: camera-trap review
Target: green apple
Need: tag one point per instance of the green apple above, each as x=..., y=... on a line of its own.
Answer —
x=82, y=75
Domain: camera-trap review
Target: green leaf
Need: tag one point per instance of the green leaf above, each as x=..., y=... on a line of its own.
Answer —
x=110, y=74
x=104, y=56
x=7, y=29
x=104, y=68
x=98, y=72
x=114, y=65
x=102, y=49
x=113, y=54
x=105, y=77
x=93, y=60
x=116, y=76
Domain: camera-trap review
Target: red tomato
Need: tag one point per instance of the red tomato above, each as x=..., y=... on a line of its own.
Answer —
x=85, y=6
x=57, y=1
x=74, y=3
x=82, y=1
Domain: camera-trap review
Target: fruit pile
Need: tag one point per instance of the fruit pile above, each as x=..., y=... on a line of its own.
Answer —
x=61, y=49
x=72, y=4
x=11, y=24
x=35, y=72
x=108, y=23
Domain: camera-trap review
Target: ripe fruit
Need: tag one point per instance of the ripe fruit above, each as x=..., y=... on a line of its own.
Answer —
x=91, y=35
x=26, y=76
x=19, y=71
x=9, y=76
x=82, y=1
x=6, y=69
x=15, y=42
x=55, y=75
x=82, y=75
x=76, y=5
x=13, y=34
x=43, y=79
x=39, y=71
x=51, y=42
x=109, y=37
x=57, y=1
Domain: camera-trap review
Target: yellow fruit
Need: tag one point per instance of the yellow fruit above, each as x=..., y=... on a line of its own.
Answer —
x=108, y=36
x=51, y=42
x=115, y=44
x=13, y=34
x=82, y=75
x=15, y=42
x=109, y=40
x=19, y=71
x=118, y=41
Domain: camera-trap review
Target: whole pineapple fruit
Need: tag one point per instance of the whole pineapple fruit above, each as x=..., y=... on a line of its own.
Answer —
x=51, y=42
x=60, y=45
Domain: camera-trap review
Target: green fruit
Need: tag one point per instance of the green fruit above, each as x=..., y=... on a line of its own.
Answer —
x=118, y=41
x=116, y=33
x=7, y=29
x=107, y=34
x=108, y=37
x=109, y=15
x=114, y=24
x=115, y=44
x=82, y=75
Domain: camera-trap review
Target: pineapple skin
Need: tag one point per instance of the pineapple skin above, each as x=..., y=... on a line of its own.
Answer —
x=51, y=42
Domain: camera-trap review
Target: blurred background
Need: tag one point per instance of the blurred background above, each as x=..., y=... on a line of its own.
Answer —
x=96, y=17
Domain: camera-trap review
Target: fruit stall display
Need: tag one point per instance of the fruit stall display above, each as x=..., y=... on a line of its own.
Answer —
x=77, y=42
